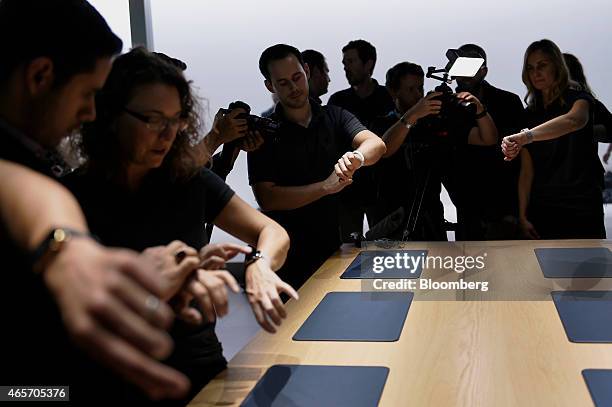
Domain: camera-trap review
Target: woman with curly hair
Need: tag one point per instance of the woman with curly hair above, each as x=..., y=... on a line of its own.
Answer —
x=142, y=186
x=561, y=176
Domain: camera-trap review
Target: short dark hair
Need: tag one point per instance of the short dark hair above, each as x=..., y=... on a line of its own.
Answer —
x=314, y=59
x=70, y=32
x=365, y=50
x=274, y=53
x=474, y=51
x=397, y=72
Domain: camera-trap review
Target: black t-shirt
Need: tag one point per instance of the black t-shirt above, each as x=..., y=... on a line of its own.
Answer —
x=368, y=109
x=487, y=182
x=567, y=170
x=159, y=212
x=300, y=156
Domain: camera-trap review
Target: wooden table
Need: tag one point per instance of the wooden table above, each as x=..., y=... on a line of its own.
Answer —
x=506, y=347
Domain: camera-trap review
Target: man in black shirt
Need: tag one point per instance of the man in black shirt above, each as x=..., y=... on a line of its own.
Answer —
x=84, y=294
x=319, y=74
x=486, y=208
x=367, y=100
x=295, y=175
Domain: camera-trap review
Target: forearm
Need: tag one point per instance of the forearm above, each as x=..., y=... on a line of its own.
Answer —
x=32, y=204
x=394, y=137
x=272, y=198
x=372, y=149
x=273, y=242
x=557, y=127
x=487, y=130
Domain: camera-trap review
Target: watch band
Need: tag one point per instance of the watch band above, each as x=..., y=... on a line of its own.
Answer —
x=359, y=156
x=252, y=257
x=529, y=135
x=481, y=114
x=53, y=243
x=405, y=122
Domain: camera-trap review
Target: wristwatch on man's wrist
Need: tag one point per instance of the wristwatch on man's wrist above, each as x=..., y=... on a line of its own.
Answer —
x=53, y=243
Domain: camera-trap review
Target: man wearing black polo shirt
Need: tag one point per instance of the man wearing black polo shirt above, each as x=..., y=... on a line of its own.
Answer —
x=367, y=100
x=486, y=208
x=296, y=175
x=60, y=289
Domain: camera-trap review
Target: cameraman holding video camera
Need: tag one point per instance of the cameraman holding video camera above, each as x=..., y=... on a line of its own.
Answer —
x=423, y=132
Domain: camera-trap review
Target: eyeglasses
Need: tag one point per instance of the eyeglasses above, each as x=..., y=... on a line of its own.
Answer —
x=158, y=123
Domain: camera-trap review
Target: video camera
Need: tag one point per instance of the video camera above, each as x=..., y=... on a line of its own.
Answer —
x=266, y=127
x=454, y=111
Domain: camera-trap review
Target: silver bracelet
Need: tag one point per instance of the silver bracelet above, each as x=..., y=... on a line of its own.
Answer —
x=529, y=134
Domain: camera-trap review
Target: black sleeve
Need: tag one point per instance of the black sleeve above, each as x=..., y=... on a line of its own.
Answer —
x=346, y=123
x=260, y=165
x=574, y=95
x=216, y=192
x=603, y=116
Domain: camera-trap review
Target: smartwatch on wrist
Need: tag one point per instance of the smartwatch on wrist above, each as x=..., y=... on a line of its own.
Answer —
x=529, y=134
x=252, y=257
x=53, y=244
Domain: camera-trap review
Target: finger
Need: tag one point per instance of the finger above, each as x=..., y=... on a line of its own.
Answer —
x=278, y=304
x=229, y=280
x=431, y=95
x=154, y=378
x=213, y=250
x=131, y=327
x=343, y=168
x=260, y=316
x=287, y=289
x=347, y=161
x=135, y=297
x=218, y=294
x=201, y=295
x=137, y=268
x=269, y=309
x=175, y=246
x=213, y=263
x=187, y=266
x=339, y=173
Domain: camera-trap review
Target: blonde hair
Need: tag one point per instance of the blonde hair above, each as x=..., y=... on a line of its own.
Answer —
x=561, y=83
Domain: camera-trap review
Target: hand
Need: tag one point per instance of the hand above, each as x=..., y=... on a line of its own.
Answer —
x=213, y=256
x=208, y=288
x=468, y=97
x=174, y=271
x=109, y=303
x=228, y=127
x=263, y=286
x=511, y=145
x=527, y=229
x=251, y=142
x=334, y=183
x=424, y=107
x=346, y=166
